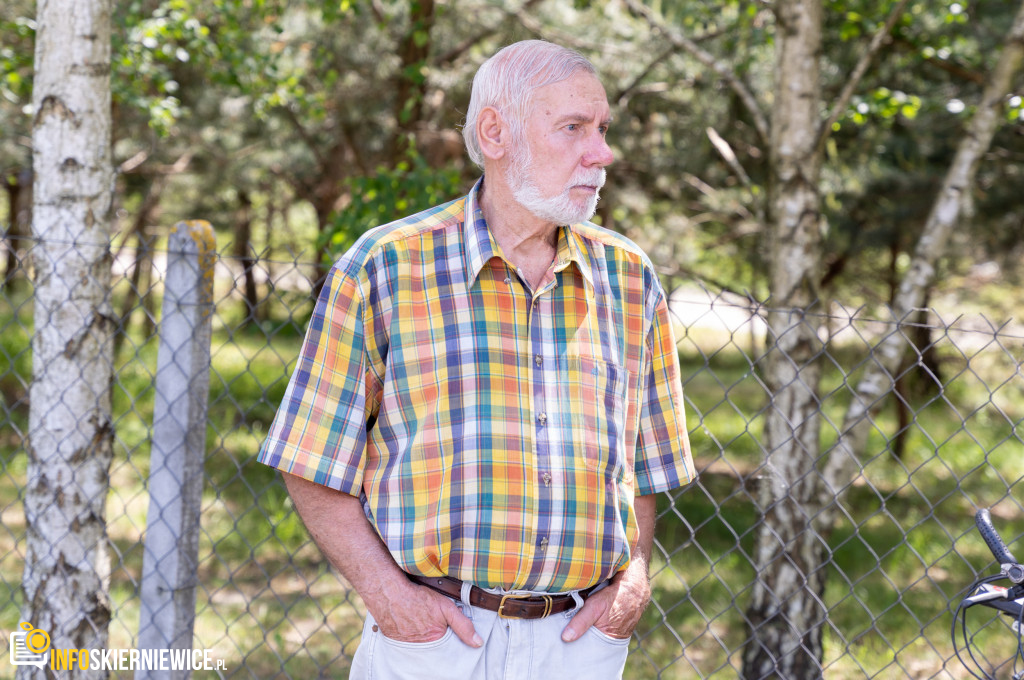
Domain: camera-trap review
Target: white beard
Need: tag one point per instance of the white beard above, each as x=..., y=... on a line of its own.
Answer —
x=561, y=208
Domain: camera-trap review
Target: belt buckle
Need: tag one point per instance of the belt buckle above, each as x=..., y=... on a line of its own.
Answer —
x=501, y=605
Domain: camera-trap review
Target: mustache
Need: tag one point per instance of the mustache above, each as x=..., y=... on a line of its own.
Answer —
x=589, y=178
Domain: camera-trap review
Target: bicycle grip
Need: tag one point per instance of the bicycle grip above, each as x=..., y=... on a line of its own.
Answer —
x=983, y=519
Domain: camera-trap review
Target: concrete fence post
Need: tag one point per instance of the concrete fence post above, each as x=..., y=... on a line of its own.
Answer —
x=170, y=558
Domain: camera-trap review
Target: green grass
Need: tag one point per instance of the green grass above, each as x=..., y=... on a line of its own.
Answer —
x=269, y=604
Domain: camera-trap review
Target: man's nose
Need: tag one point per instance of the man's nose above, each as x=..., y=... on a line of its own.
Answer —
x=599, y=154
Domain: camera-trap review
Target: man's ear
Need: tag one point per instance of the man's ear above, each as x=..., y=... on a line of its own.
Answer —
x=493, y=134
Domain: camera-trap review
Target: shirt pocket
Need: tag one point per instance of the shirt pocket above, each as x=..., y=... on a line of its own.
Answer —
x=596, y=393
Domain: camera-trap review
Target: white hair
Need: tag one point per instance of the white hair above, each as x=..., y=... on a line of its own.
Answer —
x=508, y=80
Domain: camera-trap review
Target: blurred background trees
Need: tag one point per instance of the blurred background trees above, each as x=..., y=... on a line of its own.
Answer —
x=262, y=113
x=295, y=126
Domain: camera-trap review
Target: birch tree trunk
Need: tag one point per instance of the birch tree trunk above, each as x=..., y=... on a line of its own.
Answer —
x=66, y=564
x=785, y=614
x=798, y=503
x=888, y=354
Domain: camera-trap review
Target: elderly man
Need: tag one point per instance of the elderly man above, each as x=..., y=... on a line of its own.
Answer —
x=488, y=399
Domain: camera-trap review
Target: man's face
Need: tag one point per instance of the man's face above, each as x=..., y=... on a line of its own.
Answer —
x=557, y=171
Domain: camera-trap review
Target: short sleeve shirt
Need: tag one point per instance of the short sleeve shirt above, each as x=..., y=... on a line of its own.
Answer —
x=496, y=434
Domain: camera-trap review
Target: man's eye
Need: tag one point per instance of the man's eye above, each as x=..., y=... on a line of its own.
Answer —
x=572, y=127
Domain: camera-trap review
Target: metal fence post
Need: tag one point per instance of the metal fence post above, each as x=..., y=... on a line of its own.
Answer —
x=170, y=558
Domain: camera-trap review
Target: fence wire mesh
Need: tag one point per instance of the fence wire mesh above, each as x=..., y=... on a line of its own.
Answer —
x=945, y=440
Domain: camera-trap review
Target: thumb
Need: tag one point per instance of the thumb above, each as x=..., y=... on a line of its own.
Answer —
x=461, y=625
x=579, y=624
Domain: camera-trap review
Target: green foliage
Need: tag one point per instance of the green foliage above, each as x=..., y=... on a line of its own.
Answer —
x=16, y=58
x=1015, y=109
x=17, y=38
x=882, y=105
x=308, y=100
x=388, y=195
x=299, y=105
x=160, y=53
x=908, y=518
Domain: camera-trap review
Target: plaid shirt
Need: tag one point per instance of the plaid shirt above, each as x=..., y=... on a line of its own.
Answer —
x=496, y=434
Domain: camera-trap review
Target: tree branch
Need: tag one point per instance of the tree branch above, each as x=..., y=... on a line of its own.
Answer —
x=134, y=164
x=628, y=89
x=703, y=280
x=724, y=70
x=466, y=45
x=311, y=143
x=881, y=37
x=728, y=155
x=949, y=67
x=347, y=132
x=887, y=355
x=378, y=12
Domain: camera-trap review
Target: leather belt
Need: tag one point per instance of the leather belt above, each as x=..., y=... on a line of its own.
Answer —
x=509, y=605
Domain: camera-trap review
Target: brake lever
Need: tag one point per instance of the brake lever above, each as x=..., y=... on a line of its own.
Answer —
x=986, y=593
x=1014, y=572
x=1010, y=600
x=1011, y=568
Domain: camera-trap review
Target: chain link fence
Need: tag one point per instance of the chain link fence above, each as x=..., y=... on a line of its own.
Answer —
x=948, y=440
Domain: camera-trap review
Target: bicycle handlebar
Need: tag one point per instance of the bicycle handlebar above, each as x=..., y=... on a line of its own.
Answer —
x=1009, y=601
x=983, y=519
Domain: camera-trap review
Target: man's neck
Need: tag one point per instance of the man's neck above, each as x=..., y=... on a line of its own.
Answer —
x=526, y=240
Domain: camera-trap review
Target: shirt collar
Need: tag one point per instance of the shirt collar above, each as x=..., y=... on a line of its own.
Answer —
x=570, y=249
x=480, y=245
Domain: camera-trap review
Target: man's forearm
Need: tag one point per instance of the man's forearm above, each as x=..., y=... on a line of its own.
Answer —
x=403, y=610
x=337, y=523
x=646, y=509
x=637, y=574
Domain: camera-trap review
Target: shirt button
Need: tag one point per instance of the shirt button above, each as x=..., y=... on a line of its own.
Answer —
x=547, y=478
x=537, y=359
x=543, y=418
x=543, y=544
x=508, y=281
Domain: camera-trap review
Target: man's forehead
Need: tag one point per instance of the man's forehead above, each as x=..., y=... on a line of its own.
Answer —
x=579, y=94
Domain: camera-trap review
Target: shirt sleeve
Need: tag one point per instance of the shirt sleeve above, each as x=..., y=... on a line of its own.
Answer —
x=319, y=432
x=663, y=459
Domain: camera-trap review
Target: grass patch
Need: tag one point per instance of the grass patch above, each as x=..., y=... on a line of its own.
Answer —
x=269, y=605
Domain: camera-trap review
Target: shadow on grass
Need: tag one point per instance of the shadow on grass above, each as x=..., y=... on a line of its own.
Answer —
x=270, y=606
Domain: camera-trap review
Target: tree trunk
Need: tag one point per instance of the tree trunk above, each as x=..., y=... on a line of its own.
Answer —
x=887, y=356
x=322, y=267
x=244, y=252
x=143, y=258
x=13, y=189
x=413, y=50
x=785, y=614
x=69, y=451
x=19, y=206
